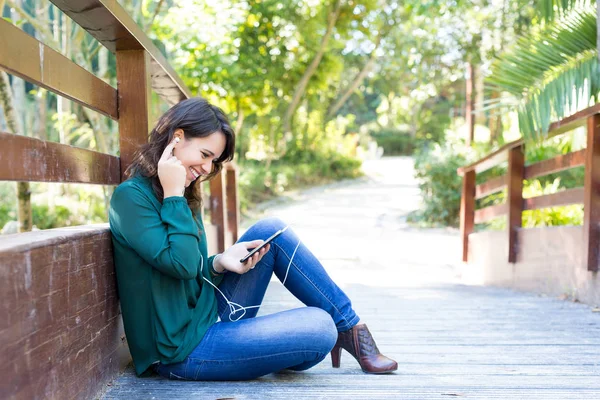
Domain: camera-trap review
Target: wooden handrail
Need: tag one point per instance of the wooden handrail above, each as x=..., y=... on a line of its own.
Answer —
x=491, y=160
x=26, y=57
x=556, y=128
x=589, y=194
x=110, y=24
x=30, y=159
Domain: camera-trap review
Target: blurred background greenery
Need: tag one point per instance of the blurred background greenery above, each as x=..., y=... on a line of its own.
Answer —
x=314, y=87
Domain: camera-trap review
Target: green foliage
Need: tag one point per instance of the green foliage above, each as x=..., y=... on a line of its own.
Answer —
x=550, y=73
x=44, y=218
x=440, y=185
x=553, y=9
x=395, y=142
x=553, y=216
x=260, y=182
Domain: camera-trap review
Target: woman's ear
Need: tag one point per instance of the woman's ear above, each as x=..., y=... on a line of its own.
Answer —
x=178, y=135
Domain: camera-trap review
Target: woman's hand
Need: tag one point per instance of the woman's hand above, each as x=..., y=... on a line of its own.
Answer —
x=230, y=259
x=171, y=172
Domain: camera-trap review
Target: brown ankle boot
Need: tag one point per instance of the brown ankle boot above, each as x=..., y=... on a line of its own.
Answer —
x=359, y=342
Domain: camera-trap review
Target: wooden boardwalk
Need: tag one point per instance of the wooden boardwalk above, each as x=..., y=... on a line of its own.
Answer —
x=450, y=340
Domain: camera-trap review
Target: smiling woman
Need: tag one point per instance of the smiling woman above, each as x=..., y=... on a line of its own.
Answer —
x=207, y=141
x=190, y=316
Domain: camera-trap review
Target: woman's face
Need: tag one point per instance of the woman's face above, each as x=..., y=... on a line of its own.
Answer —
x=197, y=154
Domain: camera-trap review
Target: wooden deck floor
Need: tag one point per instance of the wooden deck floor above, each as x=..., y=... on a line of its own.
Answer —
x=450, y=340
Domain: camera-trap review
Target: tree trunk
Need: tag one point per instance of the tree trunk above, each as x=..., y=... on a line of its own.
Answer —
x=239, y=124
x=23, y=190
x=357, y=79
x=469, y=99
x=156, y=11
x=352, y=87
x=310, y=71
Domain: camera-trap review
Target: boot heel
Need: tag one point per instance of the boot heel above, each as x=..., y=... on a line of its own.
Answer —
x=336, y=356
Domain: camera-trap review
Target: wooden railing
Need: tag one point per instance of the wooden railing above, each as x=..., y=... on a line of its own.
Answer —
x=517, y=171
x=140, y=68
x=60, y=329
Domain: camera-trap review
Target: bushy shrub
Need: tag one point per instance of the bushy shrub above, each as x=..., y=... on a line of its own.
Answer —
x=395, y=142
x=60, y=216
x=259, y=183
x=435, y=168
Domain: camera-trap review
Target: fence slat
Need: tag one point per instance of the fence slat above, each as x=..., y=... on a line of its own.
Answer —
x=556, y=164
x=487, y=213
x=27, y=58
x=591, y=202
x=218, y=202
x=467, y=211
x=516, y=169
x=233, y=208
x=563, y=198
x=28, y=159
x=133, y=76
x=490, y=187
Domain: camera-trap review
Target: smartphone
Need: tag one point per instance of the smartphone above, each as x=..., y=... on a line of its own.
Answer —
x=269, y=240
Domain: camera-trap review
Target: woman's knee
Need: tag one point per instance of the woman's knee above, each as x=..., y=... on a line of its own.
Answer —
x=270, y=223
x=322, y=328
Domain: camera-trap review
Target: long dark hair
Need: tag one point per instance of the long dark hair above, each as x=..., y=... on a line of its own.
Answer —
x=197, y=118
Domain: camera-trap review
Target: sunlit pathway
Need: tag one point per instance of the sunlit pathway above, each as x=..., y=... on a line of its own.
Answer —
x=450, y=340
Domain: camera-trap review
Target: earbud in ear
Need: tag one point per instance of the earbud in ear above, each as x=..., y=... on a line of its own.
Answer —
x=176, y=140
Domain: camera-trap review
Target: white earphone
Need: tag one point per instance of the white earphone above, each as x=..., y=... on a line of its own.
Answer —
x=235, y=307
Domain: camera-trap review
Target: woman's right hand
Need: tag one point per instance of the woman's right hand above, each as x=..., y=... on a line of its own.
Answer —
x=171, y=172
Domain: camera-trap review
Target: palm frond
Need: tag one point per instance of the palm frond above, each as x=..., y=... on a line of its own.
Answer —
x=551, y=10
x=550, y=73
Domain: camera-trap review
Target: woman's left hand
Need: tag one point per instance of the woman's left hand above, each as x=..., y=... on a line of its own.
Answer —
x=230, y=259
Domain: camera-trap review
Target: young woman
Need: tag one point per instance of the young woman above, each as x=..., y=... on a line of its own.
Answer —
x=190, y=316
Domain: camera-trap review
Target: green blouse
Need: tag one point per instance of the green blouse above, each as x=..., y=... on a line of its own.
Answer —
x=160, y=256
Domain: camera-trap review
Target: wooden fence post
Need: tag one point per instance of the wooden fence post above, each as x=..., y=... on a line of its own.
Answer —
x=133, y=88
x=467, y=211
x=516, y=171
x=218, y=202
x=591, y=201
x=233, y=207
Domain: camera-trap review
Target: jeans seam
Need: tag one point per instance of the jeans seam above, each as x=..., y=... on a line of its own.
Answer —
x=312, y=283
x=264, y=356
x=231, y=297
x=198, y=369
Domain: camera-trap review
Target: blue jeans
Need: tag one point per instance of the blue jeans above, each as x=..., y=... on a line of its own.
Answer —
x=296, y=339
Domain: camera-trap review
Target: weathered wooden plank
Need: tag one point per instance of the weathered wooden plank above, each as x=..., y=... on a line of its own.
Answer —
x=61, y=329
x=591, y=202
x=29, y=159
x=556, y=164
x=490, y=187
x=562, y=198
x=26, y=57
x=218, y=202
x=233, y=206
x=573, y=121
x=556, y=128
x=110, y=24
x=516, y=169
x=490, y=212
x=491, y=160
x=467, y=211
x=133, y=75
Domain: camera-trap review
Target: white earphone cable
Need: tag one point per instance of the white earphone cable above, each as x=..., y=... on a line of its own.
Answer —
x=235, y=307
